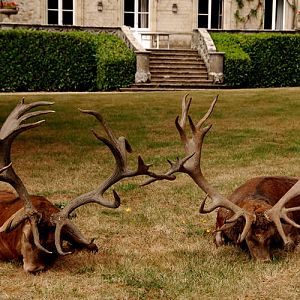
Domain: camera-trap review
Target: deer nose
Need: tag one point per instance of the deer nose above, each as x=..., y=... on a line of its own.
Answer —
x=265, y=260
x=34, y=268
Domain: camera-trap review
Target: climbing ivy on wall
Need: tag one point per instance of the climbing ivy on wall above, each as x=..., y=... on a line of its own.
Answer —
x=253, y=13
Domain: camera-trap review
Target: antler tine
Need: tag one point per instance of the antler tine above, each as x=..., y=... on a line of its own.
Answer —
x=10, y=129
x=101, y=120
x=13, y=123
x=5, y=168
x=208, y=113
x=119, y=148
x=185, y=106
x=192, y=166
x=193, y=169
x=176, y=166
x=278, y=211
x=20, y=216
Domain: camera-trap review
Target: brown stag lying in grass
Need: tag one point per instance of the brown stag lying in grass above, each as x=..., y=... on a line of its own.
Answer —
x=32, y=228
x=260, y=215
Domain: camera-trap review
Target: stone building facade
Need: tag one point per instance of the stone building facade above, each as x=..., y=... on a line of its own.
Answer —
x=175, y=16
x=159, y=23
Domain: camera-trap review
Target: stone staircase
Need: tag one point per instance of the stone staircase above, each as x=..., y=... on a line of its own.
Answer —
x=176, y=69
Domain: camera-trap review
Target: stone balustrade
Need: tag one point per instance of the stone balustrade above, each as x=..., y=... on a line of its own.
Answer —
x=214, y=61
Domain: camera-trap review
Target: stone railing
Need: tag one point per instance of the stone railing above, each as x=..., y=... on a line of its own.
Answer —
x=142, y=74
x=214, y=61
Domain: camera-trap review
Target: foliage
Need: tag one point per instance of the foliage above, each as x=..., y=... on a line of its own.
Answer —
x=9, y=5
x=36, y=60
x=260, y=60
x=237, y=63
x=257, y=6
x=69, y=61
x=116, y=63
x=253, y=12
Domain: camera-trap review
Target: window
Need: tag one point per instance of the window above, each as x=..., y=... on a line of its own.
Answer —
x=203, y=14
x=136, y=13
x=61, y=12
x=210, y=14
x=274, y=14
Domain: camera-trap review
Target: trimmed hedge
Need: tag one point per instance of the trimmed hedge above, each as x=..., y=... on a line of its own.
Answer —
x=68, y=61
x=260, y=60
x=115, y=61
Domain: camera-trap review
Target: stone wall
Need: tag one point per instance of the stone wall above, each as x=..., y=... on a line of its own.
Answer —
x=29, y=12
x=109, y=16
x=180, y=21
x=86, y=13
x=162, y=16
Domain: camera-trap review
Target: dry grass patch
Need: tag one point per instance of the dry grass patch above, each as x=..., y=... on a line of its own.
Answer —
x=156, y=245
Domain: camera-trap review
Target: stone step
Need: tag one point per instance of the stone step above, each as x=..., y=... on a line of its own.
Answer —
x=179, y=77
x=173, y=51
x=174, y=62
x=179, y=72
x=171, y=86
x=176, y=68
x=188, y=54
x=175, y=56
x=181, y=82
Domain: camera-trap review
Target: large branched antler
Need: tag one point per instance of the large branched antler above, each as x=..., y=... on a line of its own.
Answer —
x=119, y=148
x=11, y=128
x=191, y=165
x=279, y=211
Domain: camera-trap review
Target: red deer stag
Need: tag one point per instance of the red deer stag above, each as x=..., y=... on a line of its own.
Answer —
x=32, y=228
x=260, y=215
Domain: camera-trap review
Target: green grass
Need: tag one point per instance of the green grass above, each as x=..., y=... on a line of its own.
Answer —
x=156, y=245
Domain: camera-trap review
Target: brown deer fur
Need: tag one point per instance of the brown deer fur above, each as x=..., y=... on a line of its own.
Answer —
x=256, y=196
x=18, y=244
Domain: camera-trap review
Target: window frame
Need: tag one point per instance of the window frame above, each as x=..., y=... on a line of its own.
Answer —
x=209, y=14
x=138, y=14
x=60, y=12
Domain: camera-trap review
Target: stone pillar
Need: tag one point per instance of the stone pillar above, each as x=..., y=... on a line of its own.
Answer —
x=142, y=74
x=216, y=66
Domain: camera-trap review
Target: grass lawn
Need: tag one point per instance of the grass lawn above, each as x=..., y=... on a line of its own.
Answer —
x=156, y=245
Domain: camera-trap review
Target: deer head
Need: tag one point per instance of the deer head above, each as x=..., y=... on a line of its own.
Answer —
x=191, y=165
x=60, y=220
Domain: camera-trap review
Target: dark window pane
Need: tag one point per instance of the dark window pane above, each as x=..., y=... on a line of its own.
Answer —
x=52, y=17
x=268, y=14
x=216, y=14
x=129, y=5
x=203, y=6
x=202, y=21
x=67, y=18
x=67, y=4
x=52, y=4
x=129, y=20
